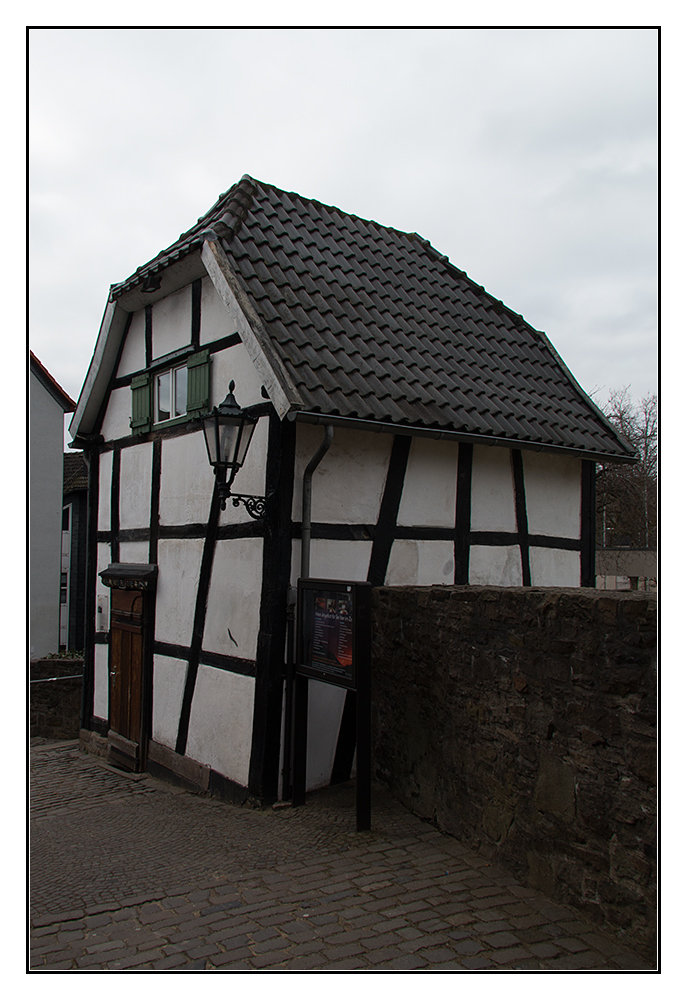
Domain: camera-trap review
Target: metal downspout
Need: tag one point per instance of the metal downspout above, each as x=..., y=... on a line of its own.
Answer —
x=291, y=680
x=307, y=499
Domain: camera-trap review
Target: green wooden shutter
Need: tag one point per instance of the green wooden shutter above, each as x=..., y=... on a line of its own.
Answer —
x=141, y=403
x=198, y=399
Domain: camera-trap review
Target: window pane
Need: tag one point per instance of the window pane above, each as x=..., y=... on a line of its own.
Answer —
x=180, y=383
x=164, y=385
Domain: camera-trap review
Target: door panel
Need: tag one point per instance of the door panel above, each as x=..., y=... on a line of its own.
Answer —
x=126, y=678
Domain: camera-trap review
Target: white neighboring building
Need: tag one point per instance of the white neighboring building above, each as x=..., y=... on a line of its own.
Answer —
x=463, y=452
x=48, y=403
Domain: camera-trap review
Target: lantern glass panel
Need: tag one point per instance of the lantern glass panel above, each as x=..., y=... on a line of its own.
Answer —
x=247, y=434
x=229, y=440
x=211, y=438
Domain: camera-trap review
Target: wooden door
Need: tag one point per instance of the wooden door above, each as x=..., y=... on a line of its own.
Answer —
x=127, y=625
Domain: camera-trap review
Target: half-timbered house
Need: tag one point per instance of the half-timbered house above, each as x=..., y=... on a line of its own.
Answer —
x=410, y=429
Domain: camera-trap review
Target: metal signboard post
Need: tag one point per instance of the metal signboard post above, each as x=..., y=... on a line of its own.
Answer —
x=333, y=645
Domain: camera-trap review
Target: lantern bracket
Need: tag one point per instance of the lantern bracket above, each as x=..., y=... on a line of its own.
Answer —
x=256, y=506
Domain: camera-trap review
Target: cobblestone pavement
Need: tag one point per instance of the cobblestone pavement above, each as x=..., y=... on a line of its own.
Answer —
x=131, y=873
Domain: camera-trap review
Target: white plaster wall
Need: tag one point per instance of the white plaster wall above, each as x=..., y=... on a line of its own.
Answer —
x=493, y=496
x=234, y=598
x=325, y=708
x=104, y=560
x=169, y=679
x=553, y=493
x=215, y=319
x=118, y=415
x=179, y=566
x=133, y=357
x=234, y=364
x=495, y=566
x=172, y=322
x=420, y=563
x=134, y=552
x=429, y=489
x=554, y=567
x=333, y=560
x=104, y=491
x=135, y=483
x=186, y=481
x=348, y=484
x=221, y=722
x=101, y=683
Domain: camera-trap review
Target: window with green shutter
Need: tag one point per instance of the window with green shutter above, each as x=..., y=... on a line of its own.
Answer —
x=170, y=394
x=141, y=407
x=198, y=389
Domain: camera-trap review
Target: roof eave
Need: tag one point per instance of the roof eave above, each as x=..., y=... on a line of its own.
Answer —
x=256, y=339
x=99, y=372
x=446, y=434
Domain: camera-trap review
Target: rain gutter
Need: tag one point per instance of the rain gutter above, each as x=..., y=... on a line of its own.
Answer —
x=381, y=427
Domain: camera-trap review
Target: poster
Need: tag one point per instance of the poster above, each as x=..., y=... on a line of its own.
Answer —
x=327, y=618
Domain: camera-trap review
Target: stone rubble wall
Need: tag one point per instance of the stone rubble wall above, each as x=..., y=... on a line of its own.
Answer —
x=55, y=705
x=523, y=722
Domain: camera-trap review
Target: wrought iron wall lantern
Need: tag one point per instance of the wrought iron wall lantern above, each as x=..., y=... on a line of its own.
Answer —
x=228, y=431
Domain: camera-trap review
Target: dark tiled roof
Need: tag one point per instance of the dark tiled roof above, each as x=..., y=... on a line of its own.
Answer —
x=49, y=383
x=375, y=324
x=75, y=472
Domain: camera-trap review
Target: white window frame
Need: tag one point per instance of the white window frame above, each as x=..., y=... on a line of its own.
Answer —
x=177, y=394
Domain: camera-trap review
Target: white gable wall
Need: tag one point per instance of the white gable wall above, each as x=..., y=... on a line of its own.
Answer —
x=216, y=321
x=118, y=416
x=171, y=321
x=185, y=495
x=133, y=357
x=235, y=365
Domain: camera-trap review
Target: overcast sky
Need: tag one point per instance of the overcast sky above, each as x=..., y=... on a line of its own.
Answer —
x=527, y=156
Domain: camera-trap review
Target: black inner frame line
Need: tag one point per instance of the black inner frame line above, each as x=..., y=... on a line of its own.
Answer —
x=521, y=515
x=461, y=534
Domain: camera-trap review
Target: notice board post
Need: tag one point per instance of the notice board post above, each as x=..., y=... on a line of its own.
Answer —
x=334, y=646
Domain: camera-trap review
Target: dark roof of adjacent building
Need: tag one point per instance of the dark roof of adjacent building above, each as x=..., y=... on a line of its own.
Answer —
x=75, y=472
x=49, y=383
x=373, y=324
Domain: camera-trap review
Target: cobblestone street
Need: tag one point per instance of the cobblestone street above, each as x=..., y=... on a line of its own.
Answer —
x=128, y=873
